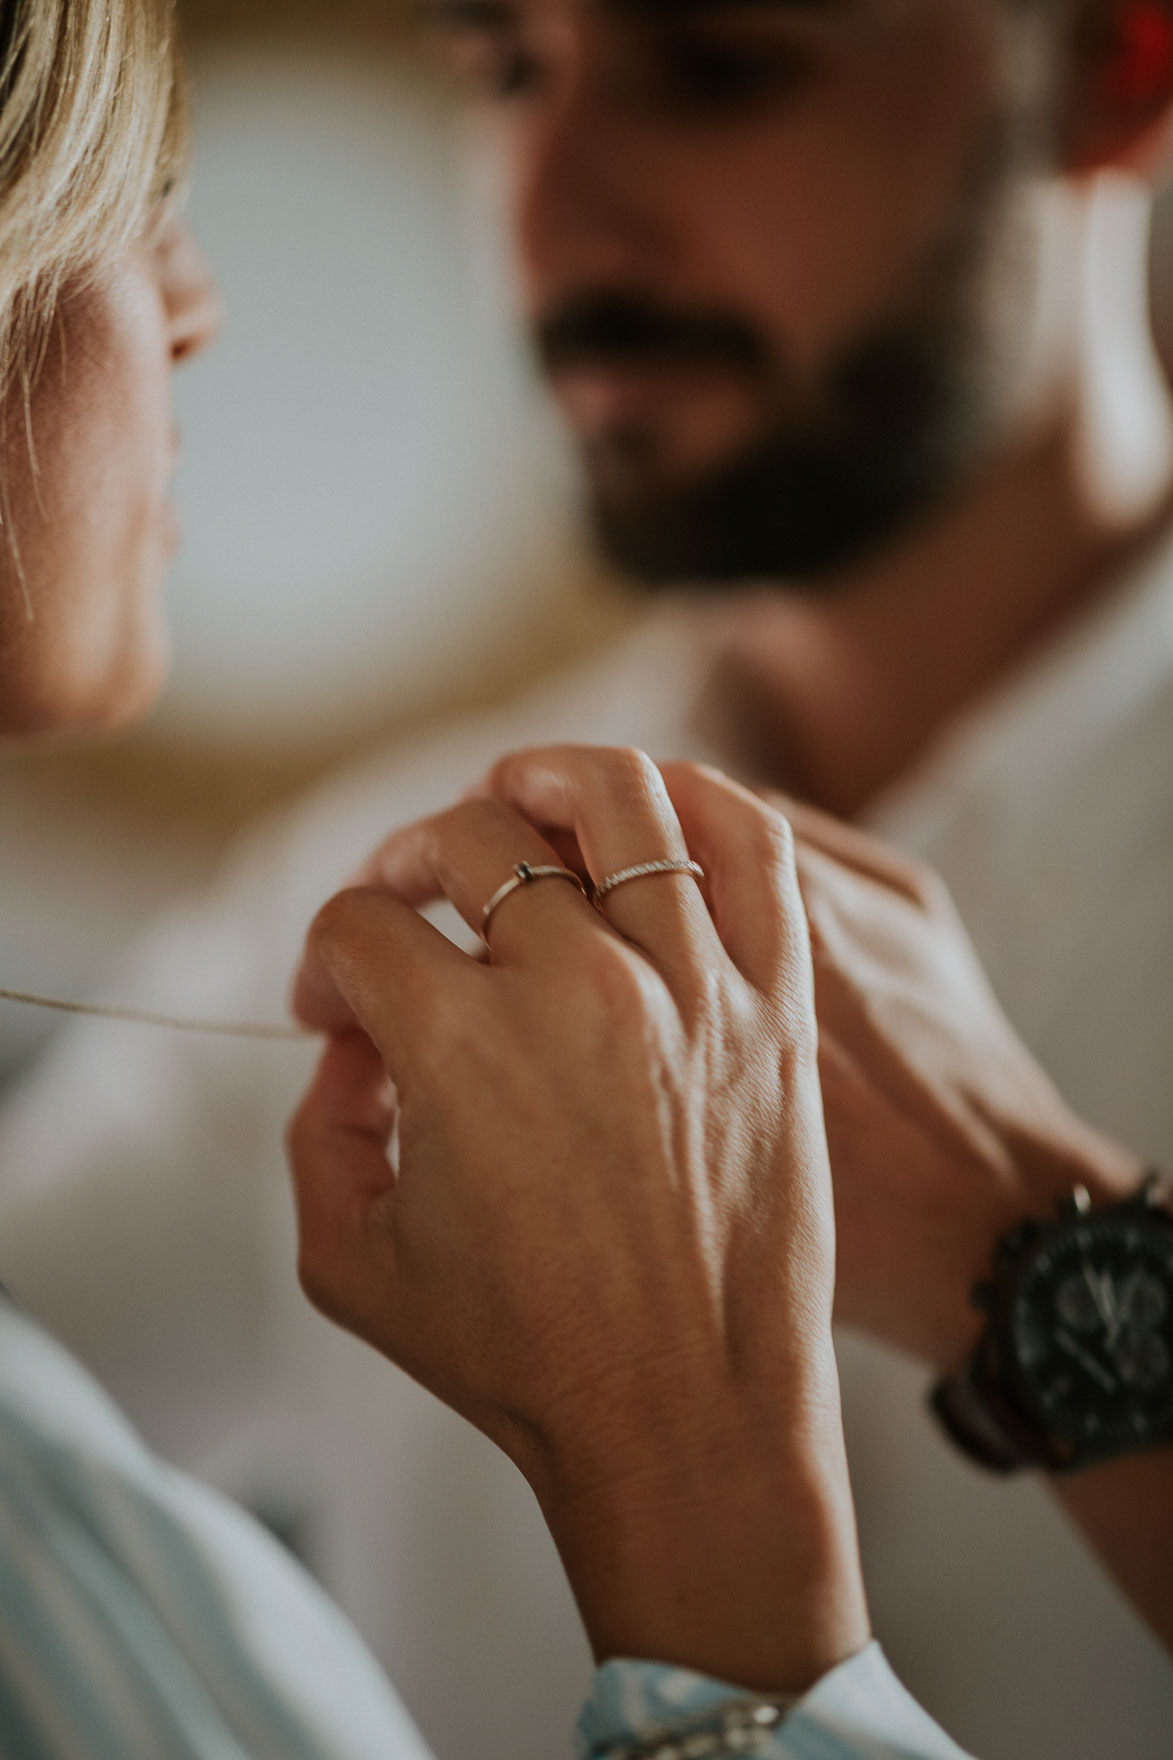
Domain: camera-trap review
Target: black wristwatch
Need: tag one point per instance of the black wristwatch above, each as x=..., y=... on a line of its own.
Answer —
x=1076, y=1362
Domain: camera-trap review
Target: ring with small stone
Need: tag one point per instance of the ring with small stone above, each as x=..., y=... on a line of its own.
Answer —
x=524, y=874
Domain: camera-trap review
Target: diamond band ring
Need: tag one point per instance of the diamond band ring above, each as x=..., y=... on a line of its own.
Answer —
x=639, y=870
x=524, y=874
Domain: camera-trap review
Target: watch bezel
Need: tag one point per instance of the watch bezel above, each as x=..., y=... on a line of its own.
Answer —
x=990, y=1407
x=1090, y=1430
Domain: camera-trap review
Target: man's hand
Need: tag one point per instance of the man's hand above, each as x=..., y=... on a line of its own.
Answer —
x=943, y=1130
x=944, y=1133
x=604, y=1232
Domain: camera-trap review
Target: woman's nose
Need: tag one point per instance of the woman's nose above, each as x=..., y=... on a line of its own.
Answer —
x=191, y=298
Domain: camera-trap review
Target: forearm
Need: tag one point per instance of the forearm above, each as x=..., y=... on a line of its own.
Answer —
x=1124, y=1507
x=1125, y=1511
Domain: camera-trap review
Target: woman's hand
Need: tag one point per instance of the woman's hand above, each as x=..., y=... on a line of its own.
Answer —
x=605, y=1232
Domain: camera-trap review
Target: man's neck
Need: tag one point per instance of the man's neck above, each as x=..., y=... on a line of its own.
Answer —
x=835, y=694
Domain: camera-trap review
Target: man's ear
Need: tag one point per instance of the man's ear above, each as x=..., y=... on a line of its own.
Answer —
x=1119, y=90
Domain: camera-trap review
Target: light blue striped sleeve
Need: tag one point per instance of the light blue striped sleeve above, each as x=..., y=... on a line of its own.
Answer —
x=859, y=1711
x=144, y=1618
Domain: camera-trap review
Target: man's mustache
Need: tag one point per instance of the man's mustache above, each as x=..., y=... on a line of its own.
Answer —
x=625, y=330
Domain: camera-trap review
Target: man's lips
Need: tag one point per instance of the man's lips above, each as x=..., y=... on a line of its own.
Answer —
x=603, y=392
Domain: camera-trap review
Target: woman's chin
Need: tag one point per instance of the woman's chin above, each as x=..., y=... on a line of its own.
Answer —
x=82, y=704
x=132, y=694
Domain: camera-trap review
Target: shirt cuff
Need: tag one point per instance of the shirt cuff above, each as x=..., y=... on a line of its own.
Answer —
x=859, y=1711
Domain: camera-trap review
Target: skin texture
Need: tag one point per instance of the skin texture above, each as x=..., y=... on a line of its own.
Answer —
x=636, y=1296
x=82, y=641
x=944, y=1132
x=605, y=1235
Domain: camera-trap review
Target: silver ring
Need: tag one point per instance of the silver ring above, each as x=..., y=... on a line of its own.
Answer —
x=524, y=874
x=637, y=873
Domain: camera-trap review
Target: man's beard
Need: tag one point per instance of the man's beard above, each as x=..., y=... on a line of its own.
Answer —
x=894, y=424
x=901, y=417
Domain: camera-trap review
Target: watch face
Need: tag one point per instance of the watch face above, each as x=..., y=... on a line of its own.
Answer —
x=1091, y=1329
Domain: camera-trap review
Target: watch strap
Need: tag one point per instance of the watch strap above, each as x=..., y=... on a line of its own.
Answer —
x=974, y=1412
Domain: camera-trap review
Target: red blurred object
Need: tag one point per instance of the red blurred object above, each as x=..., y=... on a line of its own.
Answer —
x=1141, y=70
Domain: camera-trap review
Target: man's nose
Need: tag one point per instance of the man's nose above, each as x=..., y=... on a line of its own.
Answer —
x=193, y=302
x=582, y=213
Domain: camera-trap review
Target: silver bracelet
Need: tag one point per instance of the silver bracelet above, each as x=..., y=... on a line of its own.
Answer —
x=739, y=1728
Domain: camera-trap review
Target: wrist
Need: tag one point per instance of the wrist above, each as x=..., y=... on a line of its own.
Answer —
x=1043, y=1171
x=727, y=1546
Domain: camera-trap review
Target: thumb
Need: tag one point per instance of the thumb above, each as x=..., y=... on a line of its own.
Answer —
x=343, y=1181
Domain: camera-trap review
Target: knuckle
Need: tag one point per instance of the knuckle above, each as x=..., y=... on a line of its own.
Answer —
x=631, y=772
x=478, y=818
x=617, y=981
x=770, y=847
x=686, y=772
x=334, y=919
x=773, y=836
x=343, y=920
x=307, y=1275
x=314, y=1284
x=296, y=1134
x=929, y=891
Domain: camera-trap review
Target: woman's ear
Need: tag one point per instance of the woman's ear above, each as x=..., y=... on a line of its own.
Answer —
x=1118, y=93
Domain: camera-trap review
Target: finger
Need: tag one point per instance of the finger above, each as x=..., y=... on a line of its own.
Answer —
x=371, y=961
x=859, y=929
x=466, y=855
x=343, y=1182
x=852, y=847
x=614, y=802
x=747, y=852
x=840, y=900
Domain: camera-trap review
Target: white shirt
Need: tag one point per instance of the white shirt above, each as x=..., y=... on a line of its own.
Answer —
x=154, y=1186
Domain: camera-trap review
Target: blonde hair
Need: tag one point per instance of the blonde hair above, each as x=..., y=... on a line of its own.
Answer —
x=92, y=128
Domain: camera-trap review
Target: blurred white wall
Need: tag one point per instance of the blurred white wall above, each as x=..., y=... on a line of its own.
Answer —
x=374, y=493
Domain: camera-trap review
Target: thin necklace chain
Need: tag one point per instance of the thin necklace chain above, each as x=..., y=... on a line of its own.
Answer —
x=145, y=1017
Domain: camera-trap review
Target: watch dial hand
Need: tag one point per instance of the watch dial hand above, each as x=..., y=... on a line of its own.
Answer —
x=1096, y=1286
x=1086, y=1361
x=1112, y=1307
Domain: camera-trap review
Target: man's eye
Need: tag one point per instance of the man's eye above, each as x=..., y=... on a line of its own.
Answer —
x=512, y=73
x=721, y=73
x=490, y=65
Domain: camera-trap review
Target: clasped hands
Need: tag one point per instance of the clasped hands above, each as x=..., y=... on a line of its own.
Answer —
x=582, y=1189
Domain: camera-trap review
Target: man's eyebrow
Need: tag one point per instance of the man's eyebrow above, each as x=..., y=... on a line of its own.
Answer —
x=498, y=14
x=465, y=14
x=667, y=9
